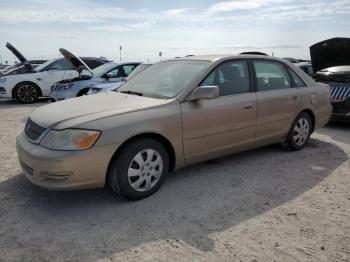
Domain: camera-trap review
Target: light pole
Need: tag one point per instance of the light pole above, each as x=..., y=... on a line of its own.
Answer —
x=120, y=52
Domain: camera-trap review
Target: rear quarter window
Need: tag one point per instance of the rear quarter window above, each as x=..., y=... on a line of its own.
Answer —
x=296, y=79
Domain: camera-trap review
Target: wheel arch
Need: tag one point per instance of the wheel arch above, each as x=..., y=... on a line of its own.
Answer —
x=312, y=115
x=24, y=82
x=83, y=91
x=168, y=146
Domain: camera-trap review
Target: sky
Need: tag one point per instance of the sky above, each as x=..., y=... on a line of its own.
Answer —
x=286, y=28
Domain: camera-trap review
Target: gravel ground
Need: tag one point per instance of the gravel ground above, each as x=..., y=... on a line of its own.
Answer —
x=261, y=205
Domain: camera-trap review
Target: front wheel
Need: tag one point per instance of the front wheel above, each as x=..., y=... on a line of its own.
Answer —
x=299, y=133
x=139, y=169
x=26, y=93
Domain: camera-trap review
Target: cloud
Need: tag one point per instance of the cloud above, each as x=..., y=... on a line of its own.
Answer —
x=69, y=15
x=114, y=18
x=122, y=28
x=240, y=5
x=175, y=12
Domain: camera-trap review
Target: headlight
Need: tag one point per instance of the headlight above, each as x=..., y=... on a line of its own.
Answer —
x=70, y=139
x=62, y=87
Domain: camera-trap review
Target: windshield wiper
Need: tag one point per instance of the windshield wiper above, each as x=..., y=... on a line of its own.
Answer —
x=131, y=92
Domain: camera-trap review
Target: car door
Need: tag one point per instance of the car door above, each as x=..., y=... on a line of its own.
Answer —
x=57, y=71
x=215, y=127
x=278, y=101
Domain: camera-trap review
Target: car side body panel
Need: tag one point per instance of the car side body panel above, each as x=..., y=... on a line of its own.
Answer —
x=213, y=127
x=276, y=112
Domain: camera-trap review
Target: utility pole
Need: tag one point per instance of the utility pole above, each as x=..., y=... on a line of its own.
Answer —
x=120, y=52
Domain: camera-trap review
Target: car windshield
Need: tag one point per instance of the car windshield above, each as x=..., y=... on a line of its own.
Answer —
x=44, y=65
x=137, y=70
x=164, y=79
x=103, y=69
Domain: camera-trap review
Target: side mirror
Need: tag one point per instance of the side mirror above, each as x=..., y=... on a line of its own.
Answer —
x=109, y=75
x=204, y=92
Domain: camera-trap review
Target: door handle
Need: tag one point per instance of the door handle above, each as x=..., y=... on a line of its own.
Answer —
x=248, y=106
x=295, y=97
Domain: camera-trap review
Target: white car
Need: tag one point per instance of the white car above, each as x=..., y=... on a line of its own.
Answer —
x=114, y=86
x=26, y=84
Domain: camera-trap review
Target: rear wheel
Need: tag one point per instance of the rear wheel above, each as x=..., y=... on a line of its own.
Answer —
x=26, y=93
x=299, y=133
x=139, y=169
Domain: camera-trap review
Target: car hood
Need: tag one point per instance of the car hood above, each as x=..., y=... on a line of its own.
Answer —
x=74, y=60
x=16, y=53
x=76, y=111
x=330, y=53
x=28, y=66
x=109, y=86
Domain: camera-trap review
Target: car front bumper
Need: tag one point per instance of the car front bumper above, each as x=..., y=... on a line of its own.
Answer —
x=341, y=111
x=61, y=95
x=64, y=170
x=340, y=117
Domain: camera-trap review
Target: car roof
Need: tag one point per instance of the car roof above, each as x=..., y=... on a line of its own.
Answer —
x=213, y=58
x=95, y=58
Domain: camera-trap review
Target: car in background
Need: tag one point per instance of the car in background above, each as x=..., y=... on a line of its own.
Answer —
x=331, y=62
x=78, y=86
x=303, y=64
x=114, y=86
x=306, y=67
x=12, y=69
x=175, y=113
x=26, y=83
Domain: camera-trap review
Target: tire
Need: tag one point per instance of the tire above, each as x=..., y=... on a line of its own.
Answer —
x=83, y=92
x=299, y=133
x=139, y=169
x=26, y=93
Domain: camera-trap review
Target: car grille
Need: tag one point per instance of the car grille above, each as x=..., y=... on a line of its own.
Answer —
x=33, y=131
x=340, y=92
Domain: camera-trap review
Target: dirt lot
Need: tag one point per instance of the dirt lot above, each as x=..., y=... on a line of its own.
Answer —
x=262, y=205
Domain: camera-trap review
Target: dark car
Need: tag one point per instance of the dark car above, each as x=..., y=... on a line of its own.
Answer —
x=331, y=62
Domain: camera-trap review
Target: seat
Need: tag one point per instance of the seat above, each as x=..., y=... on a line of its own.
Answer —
x=262, y=84
x=277, y=83
x=232, y=77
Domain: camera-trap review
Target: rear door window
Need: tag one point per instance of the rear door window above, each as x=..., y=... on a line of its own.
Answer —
x=128, y=69
x=271, y=76
x=122, y=71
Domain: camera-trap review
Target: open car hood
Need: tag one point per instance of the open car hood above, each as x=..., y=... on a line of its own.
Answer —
x=27, y=65
x=16, y=53
x=78, y=64
x=330, y=53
